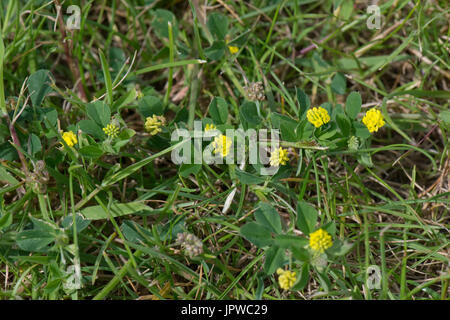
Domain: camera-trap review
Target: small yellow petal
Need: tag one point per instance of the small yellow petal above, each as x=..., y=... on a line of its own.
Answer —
x=233, y=49
x=210, y=127
x=70, y=138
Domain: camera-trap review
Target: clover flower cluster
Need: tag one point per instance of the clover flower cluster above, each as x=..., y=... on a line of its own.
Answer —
x=279, y=156
x=286, y=278
x=373, y=120
x=318, y=116
x=111, y=130
x=320, y=240
x=39, y=178
x=233, y=49
x=190, y=243
x=153, y=124
x=222, y=145
x=70, y=138
x=353, y=143
x=255, y=91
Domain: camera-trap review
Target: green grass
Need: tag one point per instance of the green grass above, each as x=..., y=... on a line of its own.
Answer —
x=389, y=198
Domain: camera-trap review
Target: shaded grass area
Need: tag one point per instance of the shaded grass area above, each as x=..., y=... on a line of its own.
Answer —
x=396, y=212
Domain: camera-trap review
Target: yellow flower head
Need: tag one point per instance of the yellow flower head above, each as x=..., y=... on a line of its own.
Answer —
x=318, y=116
x=278, y=157
x=111, y=130
x=210, y=127
x=222, y=145
x=70, y=138
x=320, y=240
x=233, y=49
x=153, y=124
x=373, y=120
x=286, y=279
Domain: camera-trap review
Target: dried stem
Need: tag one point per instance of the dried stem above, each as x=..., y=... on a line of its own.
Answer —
x=16, y=142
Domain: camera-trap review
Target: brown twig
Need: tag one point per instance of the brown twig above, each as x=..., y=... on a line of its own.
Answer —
x=16, y=142
x=73, y=64
x=231, y=11
x=12, y=129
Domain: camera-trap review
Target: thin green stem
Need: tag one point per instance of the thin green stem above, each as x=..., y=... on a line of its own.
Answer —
x=171, y=60
x=74, y=226
x=43, y=206
x=115, y=281
x=193, y=96
x=3, y=109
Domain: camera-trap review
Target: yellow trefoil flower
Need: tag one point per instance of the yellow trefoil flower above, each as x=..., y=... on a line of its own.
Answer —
x=233, y=49
x=210, y=127
x=320, y=240
x=222, y=145
x=318, y=116
x=153, y=124
x=111, y=130
x=286, y=279
x=279, y=156
x=70, y=138
x=373, y=120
